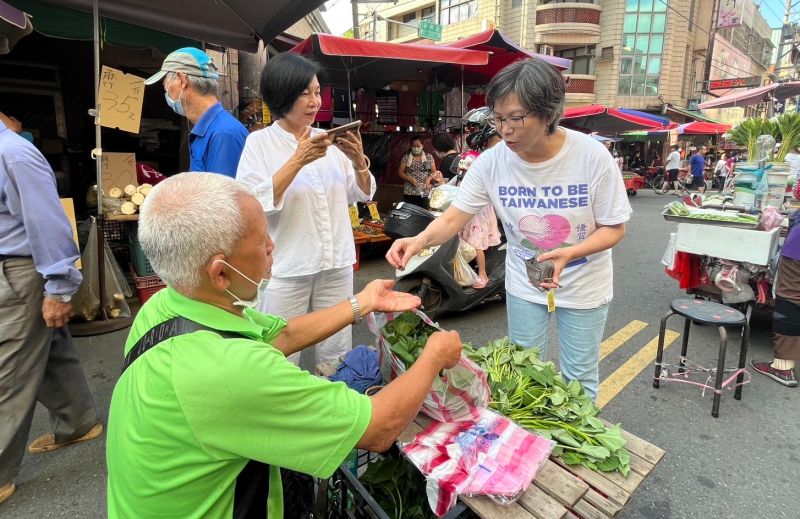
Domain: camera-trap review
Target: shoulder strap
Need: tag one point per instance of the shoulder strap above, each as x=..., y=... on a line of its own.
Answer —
x=167, y=330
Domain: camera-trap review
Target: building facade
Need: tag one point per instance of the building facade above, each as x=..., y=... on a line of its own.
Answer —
x=642, y=54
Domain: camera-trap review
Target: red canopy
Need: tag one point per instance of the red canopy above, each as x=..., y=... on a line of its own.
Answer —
x=696, y=128
x=605, y=120
x=754, y=96
x=375, y=64
x=502, y=51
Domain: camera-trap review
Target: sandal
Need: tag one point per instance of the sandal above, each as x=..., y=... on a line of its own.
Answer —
x=481, y=283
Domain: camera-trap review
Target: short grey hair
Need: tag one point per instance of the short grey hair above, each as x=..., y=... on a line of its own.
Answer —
x=187, y=219
x=202, y=85
x=538, y=85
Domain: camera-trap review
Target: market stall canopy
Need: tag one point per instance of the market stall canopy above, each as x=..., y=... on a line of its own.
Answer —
x=608, y=121
x=696, y=128
x=375, y=64
x=14, y=24
x=231, y=23
x=502, y=51
x=754, y=96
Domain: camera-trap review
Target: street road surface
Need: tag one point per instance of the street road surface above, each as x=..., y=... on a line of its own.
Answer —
x=743, y=464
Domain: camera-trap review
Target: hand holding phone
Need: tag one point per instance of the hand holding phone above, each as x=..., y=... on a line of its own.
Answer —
x=333, y=133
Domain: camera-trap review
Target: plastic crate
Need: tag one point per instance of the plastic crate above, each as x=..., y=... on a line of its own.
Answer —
x=114, y=230
x=348, y=498
x=139, y=259
x=146, y=286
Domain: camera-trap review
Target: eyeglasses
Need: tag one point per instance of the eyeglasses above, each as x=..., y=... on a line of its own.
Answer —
x=514, y=121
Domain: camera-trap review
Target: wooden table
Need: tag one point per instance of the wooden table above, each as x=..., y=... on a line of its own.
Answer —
x=567, y=491
x=360, y=238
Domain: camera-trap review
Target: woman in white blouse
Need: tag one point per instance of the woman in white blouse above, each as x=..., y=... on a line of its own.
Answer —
x=305, y=183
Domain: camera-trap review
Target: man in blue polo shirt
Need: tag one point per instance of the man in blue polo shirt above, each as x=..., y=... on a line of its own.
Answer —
x=697, y=163
x=190, y=81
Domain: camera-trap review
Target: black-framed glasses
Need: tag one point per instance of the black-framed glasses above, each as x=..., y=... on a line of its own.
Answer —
x=513, y=121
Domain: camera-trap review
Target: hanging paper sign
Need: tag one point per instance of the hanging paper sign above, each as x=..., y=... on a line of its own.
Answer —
x=266, y=116
x=120, y=98
x=119, y=170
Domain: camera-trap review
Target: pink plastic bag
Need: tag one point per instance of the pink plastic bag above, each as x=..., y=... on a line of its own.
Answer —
x=491, y=456
x=460, y=394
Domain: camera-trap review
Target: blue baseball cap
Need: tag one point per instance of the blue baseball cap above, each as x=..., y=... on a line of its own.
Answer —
x=190, y=61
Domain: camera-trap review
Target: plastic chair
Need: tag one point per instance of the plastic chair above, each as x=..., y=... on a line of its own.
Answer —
x=721, y=316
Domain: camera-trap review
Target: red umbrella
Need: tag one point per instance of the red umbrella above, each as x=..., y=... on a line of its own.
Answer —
x=605, y=120
x=502, y=52
x=696, y=128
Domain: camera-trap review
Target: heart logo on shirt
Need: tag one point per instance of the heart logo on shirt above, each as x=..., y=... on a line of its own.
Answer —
x=547, y=232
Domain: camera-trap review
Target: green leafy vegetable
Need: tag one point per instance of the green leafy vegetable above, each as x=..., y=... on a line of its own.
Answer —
x=531, y=392
x=407, y=335
x=398, y=487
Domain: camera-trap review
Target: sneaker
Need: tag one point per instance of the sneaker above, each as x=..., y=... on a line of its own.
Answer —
x=47, y=442
x=781, y=376
x=6, y=491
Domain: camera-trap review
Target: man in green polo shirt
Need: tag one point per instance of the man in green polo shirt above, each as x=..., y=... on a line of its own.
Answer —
x=200, y=423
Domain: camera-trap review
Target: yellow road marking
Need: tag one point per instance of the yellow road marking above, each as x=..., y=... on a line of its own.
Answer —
x=611, y=386
x=608, y=346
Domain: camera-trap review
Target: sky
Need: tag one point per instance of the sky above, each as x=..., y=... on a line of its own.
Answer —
x=339, y=14
x=773, y=10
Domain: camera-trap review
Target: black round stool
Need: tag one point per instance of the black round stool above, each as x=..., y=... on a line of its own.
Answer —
x=719, y=315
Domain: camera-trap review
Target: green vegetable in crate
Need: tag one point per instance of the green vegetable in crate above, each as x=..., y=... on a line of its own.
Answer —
x=531, y=392
x=398, y=487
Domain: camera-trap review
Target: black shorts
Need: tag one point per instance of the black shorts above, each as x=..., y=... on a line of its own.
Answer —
x=672, y=175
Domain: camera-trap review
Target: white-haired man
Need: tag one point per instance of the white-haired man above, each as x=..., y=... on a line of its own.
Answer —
x=190, y=81
x=208, y=409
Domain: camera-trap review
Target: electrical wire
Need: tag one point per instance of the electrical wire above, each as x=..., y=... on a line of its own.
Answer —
x=705, y=31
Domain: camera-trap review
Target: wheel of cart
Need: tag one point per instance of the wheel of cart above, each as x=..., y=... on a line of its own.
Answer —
x=633, y=183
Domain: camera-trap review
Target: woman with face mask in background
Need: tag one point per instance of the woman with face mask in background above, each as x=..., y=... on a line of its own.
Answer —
x=416, y=167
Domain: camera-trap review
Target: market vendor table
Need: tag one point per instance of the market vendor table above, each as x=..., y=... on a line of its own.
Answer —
x=567, y=491
x=374, y=235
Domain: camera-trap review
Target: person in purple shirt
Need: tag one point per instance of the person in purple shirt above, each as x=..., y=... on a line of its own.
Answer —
x=786, y=314
x=37, y=280
x=697, y=163
x=190, y=82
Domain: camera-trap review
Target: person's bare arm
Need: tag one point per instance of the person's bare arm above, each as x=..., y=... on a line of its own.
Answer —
x=305, y=330
x=398, y=403
x=408, y=178
x=438, y=231
x=308, y=150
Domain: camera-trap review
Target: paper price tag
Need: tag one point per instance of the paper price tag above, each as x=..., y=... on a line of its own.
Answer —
x=373, y=211
x=551, y=301
x=121, y=97
x=354, y=222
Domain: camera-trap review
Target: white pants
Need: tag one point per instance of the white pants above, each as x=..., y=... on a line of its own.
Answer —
x=290, y=297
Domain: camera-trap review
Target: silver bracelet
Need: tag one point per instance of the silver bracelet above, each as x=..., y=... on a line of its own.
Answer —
x=357, y=317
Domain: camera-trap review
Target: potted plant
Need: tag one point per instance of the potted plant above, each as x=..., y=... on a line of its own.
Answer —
x=747, y=132
x=788, y=124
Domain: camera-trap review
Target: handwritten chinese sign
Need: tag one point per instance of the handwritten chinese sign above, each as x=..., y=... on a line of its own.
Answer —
x=118, y=170
x=121, y=98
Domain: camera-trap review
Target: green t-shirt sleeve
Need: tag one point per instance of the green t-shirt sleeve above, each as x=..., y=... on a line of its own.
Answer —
x=250, y=402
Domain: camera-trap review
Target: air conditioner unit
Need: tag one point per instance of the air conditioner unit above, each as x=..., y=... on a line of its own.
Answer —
x=546, y=49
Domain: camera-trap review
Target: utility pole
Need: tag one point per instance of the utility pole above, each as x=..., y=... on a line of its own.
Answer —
x=356, y=31
x=710, y=47
x=787, y=36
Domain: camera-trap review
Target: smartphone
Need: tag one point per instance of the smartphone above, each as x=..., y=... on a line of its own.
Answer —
x=341, y=130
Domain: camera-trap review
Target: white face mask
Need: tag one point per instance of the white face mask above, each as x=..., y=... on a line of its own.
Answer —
x=416, y=151
x=261, y=289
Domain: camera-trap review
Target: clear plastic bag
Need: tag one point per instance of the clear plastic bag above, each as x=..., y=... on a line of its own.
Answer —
x=490, y=456
x=86, y=302
x=459, y=394
x=442, y=196
x=462, y=272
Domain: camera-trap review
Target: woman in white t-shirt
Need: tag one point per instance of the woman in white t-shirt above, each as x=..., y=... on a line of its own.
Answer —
x=305, y=183
x=559, y=196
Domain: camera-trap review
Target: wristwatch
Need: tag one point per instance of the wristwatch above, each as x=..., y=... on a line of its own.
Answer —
x=65, y=298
